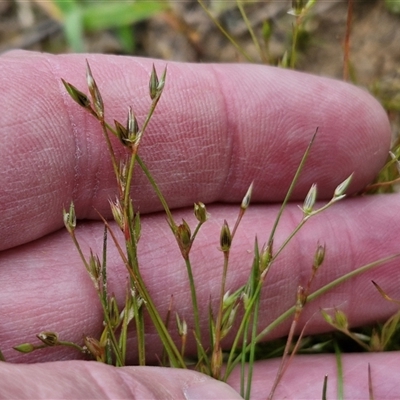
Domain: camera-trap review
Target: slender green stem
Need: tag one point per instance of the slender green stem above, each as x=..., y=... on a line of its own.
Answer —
x=156, y=189
x=107, y=321
x=104, y=127
x=325, y=388
x=222, y=292
x=291, y=188
x=125, y=321
x=140, y=332
x=239, y=4
x=233, y=362
x=301, y=224
x=170, y=347
x=339, y=369
x=226, y=34
x=293, y=54
x=253, y=347
x=71, y=344
x=194, y=305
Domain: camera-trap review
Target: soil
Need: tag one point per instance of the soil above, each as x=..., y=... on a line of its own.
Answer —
x=186, y=33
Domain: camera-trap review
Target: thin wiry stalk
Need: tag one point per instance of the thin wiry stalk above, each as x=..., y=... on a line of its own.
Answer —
x=226, y=34
x=339, y=369
x=175, y=357
x=325, y=388
x=113, y=339
x=232, y=361
x=291, y=188
x=254, y=278
x=370, y=387
x=239, y=4
x=156, y=189
x=195, y=306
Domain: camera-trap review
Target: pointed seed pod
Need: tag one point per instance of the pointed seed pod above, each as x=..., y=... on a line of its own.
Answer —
x=200, y=212
x=117, y=213
x=341, y=320
x=161, y=83
x=114, y=312
x=132, y=127
x=327, y=317
x=70, y=218
x=77, y=95
x=247, y=197
x=122, y=133
x=94, y=269
x=225, y=237
x=310, y=199
x=265, y=258
x=183, y=234
x=48, y=338
x=94, y=93
x=341, y=189
x=25, y=348
x=319, y=256
x=153, y=83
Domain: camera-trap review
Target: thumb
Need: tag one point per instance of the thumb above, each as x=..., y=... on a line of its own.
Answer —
x=85, y=379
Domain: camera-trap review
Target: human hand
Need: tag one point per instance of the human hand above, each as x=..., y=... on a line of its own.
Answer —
x=216, y=129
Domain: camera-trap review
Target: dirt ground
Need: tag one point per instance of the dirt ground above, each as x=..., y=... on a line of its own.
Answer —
x=186, y=33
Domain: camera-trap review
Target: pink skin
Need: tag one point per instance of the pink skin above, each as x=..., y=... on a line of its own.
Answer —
x=217, y=128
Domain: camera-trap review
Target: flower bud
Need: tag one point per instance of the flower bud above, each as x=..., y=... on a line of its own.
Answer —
x=70, y=218
x=77, y=95
x=319, y=256
x=225, y=237
x=183, y=236
x=327, y=317
x=153, y=84
x=200, y=212
x=94, y=93
x=341, y=321
x=25, y=348
x=132, y=127
x=341, y=189
x=117, y=213
x=114, y=312
x=156, y=86
x=182, y=325
x=48, y=338
x=94, y=347
x=94, y=269
x=122, y=133
x=247, y=197
x=265, y=257
x=310, y=199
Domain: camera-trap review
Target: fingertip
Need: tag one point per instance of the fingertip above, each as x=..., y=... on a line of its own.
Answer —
x=285, y=108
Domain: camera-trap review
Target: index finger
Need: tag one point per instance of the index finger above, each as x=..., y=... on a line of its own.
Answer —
x=216, y=129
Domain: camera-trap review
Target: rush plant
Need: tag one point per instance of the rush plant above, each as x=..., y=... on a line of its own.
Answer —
x=238, y=309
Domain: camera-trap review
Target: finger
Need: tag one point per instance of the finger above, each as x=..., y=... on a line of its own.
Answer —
x=91, y=380
x=216, y=129
x=54, y=292
x=304, y=377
